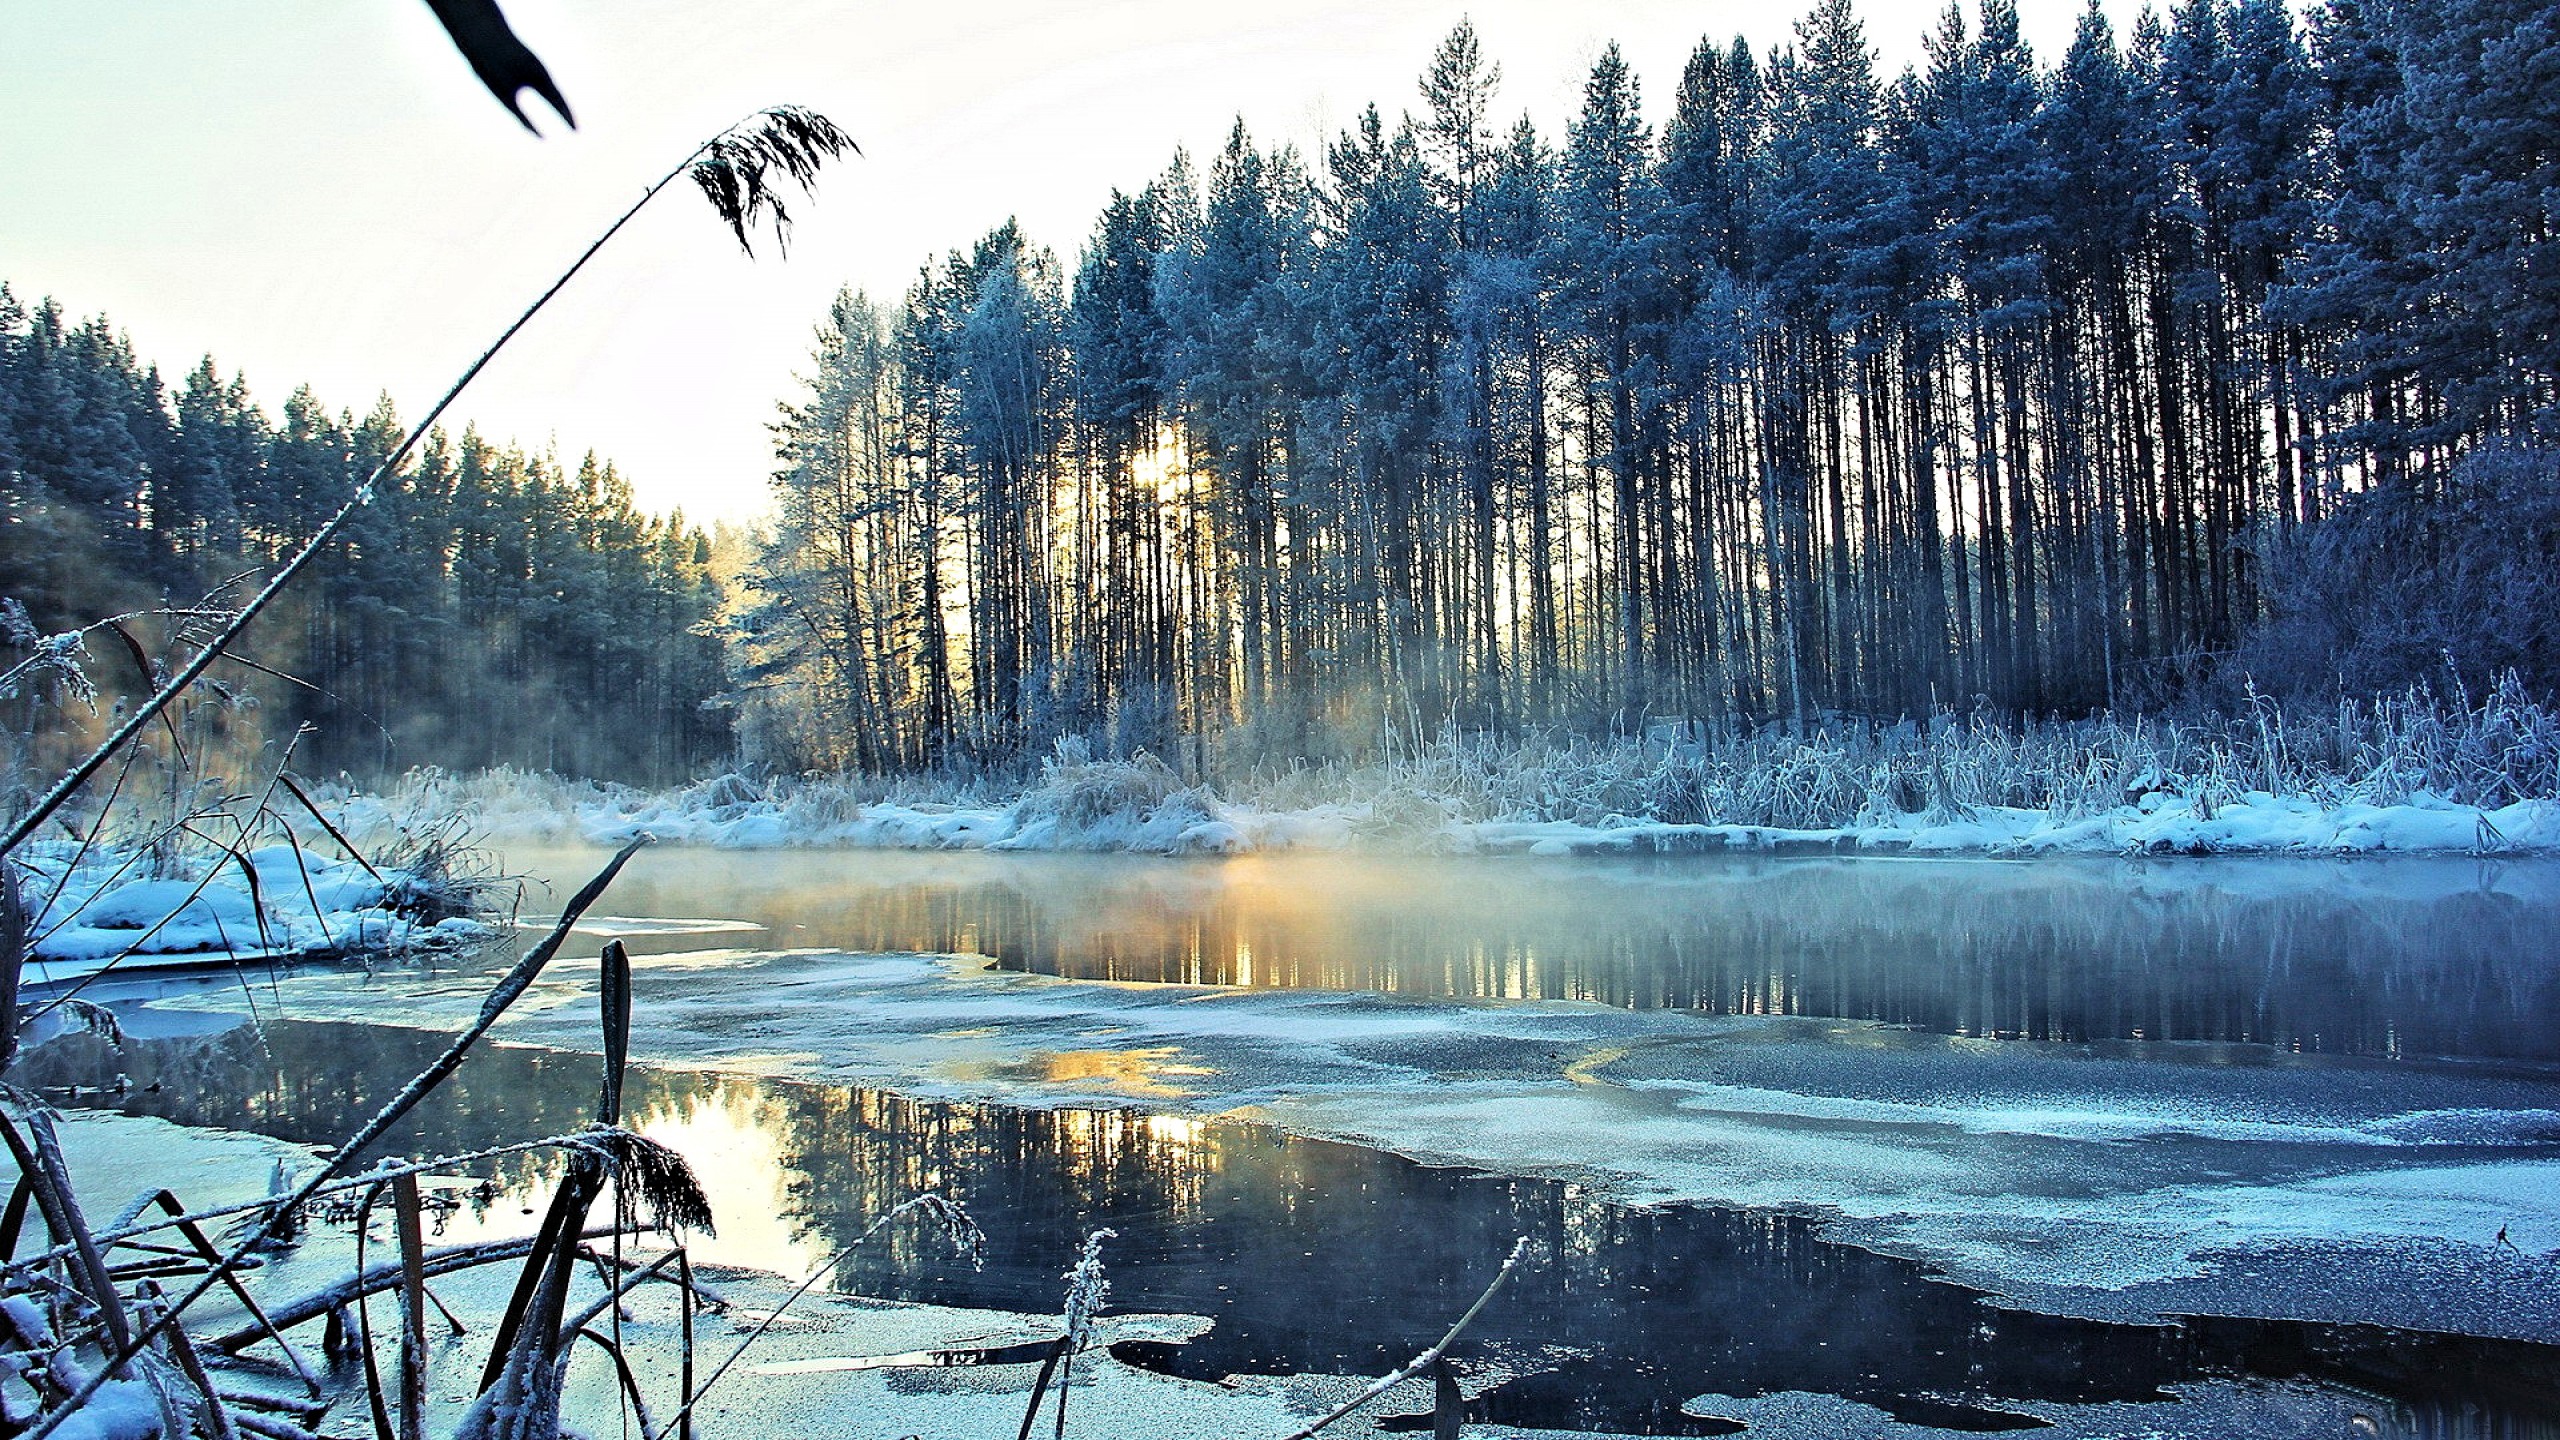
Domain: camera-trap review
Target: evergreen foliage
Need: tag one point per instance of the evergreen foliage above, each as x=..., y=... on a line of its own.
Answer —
x=488, y=607
x=2003, y=385
x=2000, y=386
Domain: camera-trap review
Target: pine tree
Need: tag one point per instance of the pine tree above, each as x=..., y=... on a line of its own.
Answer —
x=1610, y=203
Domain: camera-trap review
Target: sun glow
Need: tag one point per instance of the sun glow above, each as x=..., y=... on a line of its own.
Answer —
x=735, y=1154
x=1162, y=470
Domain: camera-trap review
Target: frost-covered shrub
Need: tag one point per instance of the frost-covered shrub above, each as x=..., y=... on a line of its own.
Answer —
x=1078, y=793
x=817, y=804
x=1996, y=781
x=729, y=791
x=2497, y=749
x=2401, y=587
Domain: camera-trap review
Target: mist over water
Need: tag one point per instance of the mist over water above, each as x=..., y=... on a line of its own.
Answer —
x=1946, y=1139
x=2402, y=958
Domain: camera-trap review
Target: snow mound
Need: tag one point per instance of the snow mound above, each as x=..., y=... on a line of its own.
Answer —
x=100, y=906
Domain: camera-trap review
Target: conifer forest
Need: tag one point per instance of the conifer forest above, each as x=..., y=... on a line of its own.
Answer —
x=1856, y=737
x=488, y=607
x=2009, y=384
x=2003, y=383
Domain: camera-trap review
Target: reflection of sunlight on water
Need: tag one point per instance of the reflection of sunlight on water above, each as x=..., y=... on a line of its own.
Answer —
x=1141, y=1072
x=732, y=1135
x=1582, y=1071
x=1177, y=1154
x=2421, y=957
x=735, y=1154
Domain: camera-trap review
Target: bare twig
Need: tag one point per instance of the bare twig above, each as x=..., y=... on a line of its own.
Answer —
x=1086, y=1291
x=373, y=1280
x=413, y=1308
x=520, y=1385
x=39, y=1156
x=634, y=1274
x=732, y=168
x=1423, y=1361
x=509, y=988
x=128, y=1230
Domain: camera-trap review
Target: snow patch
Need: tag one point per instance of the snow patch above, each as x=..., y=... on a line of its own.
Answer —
x=1193, y=822
x=98, y=906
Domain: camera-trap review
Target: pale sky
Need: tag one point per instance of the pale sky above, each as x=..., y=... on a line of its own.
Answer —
x=319, y=190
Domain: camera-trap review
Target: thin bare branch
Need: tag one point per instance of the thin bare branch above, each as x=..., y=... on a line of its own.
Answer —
x=1423, y=1361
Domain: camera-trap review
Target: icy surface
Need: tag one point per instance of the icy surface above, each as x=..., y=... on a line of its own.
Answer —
x=785, y=1385
x=2283, y=1412
x=2361, y=1182
x=2068, y=1176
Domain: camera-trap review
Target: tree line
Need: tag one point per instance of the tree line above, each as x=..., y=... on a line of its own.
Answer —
x=2228, y=344
x=487, y=607
x=1997, y=383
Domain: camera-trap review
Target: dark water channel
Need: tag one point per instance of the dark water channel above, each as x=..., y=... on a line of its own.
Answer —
x=1316, y=1257
x=1312, y=1256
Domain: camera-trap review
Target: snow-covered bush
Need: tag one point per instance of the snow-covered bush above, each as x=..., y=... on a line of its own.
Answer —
x=2450, y=585
x=2346, y=775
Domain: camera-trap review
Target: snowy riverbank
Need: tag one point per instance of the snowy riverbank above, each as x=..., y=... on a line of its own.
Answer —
x=2399, y=777
x=2255, y=822
x=95, y=906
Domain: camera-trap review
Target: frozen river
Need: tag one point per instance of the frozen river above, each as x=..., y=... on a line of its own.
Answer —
x=2230, y=1146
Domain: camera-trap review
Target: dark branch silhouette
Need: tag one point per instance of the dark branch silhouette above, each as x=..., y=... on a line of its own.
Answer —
x=502, y=61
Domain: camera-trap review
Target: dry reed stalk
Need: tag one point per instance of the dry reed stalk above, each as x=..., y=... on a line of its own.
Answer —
x=736, y=169
x=1428, y=1358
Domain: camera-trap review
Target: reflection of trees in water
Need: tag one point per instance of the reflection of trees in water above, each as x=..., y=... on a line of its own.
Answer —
x=2391, y=957
x=313, y=1083
x=854, y=1154
x=1311, y=1256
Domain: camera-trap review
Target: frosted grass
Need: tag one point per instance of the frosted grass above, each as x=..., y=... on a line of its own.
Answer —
x=2412, y=773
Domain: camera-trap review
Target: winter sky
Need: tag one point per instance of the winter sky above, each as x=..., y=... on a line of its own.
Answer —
x=318, y=190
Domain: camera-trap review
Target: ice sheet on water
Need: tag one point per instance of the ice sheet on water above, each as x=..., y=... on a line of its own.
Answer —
x=2261, y=1411
x=2130, y=1117
x=2054, y=1171
x=621, y=927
